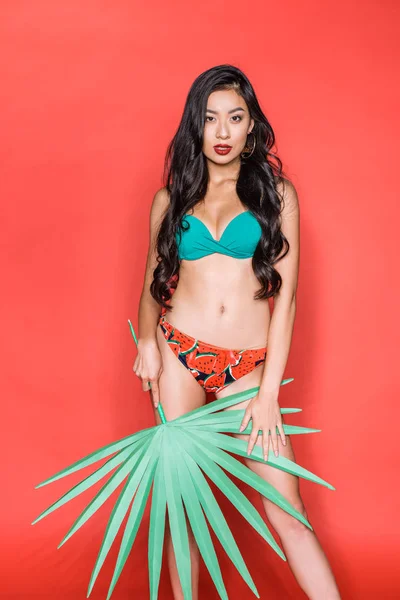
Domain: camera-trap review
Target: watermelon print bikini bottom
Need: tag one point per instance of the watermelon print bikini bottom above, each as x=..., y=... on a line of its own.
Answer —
x=213, y=367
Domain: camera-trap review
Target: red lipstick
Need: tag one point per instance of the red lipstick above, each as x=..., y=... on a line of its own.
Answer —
x=222, y=148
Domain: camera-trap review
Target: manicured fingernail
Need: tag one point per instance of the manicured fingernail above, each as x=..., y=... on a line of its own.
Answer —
x=276, y=453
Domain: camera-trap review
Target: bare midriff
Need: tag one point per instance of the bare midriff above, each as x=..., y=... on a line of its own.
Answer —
x=214, y=302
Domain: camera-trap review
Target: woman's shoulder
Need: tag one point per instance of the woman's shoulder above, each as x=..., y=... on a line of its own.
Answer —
x=288, y=194
x=161, y=197
x=160, y=202
x=284, y=186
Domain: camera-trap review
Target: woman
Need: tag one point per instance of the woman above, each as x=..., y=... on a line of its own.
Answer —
x=224, y=238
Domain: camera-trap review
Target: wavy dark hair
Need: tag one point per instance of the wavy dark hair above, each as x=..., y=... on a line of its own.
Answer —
x=186, y=179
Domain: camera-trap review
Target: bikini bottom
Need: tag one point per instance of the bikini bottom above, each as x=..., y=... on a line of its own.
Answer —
x=213, y=367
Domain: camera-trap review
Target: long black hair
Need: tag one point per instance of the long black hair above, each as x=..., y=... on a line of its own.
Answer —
x=186, y=180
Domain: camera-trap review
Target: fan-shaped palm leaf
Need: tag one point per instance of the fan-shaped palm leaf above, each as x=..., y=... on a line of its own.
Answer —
x=174, y=457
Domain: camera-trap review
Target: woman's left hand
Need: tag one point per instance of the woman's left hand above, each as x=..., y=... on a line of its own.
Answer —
x=266, y=415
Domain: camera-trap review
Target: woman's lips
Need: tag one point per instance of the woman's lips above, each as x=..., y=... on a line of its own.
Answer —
x=222, y=149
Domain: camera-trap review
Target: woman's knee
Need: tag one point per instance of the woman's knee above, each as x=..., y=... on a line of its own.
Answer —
x=282, y=521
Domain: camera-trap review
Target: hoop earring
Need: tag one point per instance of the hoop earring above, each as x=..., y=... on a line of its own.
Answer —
x=247, y=149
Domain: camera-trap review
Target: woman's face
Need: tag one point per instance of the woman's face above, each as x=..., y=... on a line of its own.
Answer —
x=227, y=121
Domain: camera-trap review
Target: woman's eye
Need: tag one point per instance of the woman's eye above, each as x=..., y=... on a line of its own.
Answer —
x=237, y=117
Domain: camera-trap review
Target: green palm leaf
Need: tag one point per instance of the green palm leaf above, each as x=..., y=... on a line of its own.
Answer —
x=245, y=474
x=176, y=516
x=196, y=517
x=134, y=519
x=230, y=423
x=231, y=491
x=149, y=457
x=157, y=529
x=215, y=516
x=238, y=446
x=129, y=459
x=221, y=404
x=98, y=455
x=174, y=457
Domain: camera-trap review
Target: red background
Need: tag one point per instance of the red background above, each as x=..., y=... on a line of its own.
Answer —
x=92, y=92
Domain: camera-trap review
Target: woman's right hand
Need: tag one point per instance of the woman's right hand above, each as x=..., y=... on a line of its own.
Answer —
x=148, y=366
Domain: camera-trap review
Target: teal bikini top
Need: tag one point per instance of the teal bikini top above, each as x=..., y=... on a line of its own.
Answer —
x=239, y=239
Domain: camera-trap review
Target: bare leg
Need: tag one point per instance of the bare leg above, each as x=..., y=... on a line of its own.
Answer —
x=173, y=571
x=303, y=551
x=179, y=393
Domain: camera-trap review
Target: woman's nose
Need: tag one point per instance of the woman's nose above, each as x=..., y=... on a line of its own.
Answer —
x=223, y=131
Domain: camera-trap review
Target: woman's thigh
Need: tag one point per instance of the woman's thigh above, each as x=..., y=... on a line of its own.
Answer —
x=286, y=483
x=179, y=391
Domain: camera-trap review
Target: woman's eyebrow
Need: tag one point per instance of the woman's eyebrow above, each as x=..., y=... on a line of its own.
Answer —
x=215, y=112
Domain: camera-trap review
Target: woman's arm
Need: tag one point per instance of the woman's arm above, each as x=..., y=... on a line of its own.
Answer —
x=149, y=309
x=264, y=409
x=284, y=310
x=148, y=362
